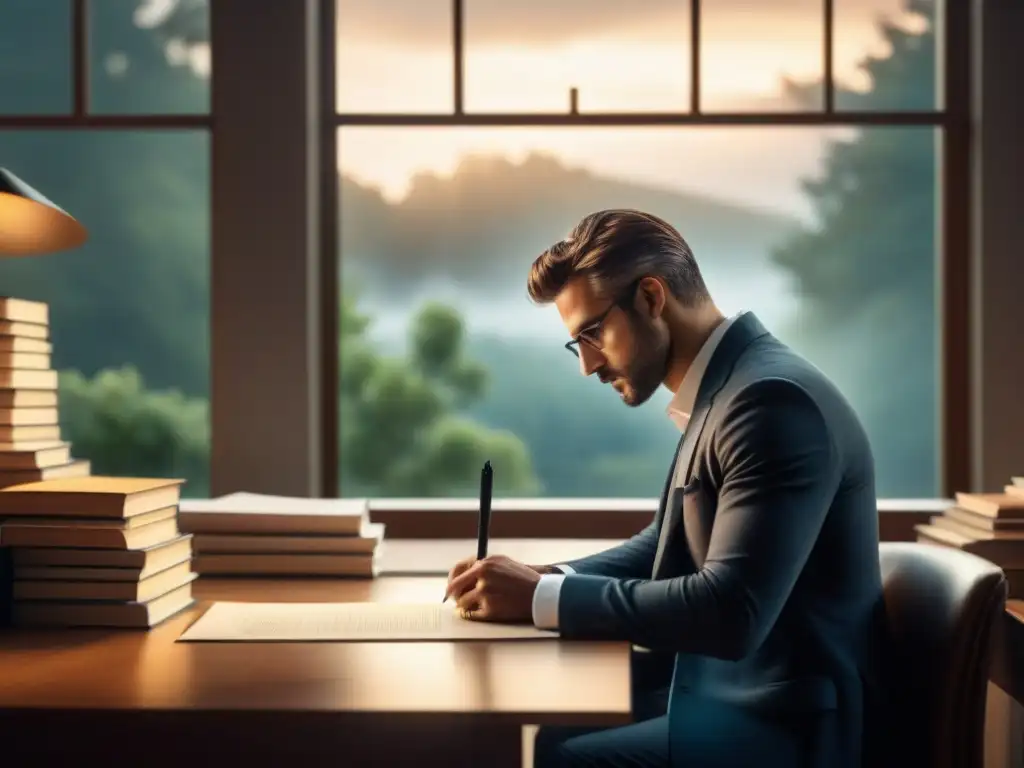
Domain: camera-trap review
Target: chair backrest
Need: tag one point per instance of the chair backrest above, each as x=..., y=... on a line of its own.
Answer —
x=942, y=605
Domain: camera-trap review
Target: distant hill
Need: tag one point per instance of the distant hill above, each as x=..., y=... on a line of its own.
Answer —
x=484, y=225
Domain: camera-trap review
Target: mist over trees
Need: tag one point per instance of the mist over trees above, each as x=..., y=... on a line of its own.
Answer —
x=866, y=276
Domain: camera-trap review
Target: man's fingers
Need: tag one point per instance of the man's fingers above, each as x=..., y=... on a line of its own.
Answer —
x=473, y=604
x=465, y=581
x=453, y=574
x=457, y=570
x=470, y=600
x=460, y=568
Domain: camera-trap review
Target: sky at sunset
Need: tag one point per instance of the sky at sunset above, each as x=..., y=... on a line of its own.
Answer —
x=395, y=56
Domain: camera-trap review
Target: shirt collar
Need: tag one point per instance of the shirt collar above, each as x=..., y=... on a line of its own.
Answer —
x=681, y=406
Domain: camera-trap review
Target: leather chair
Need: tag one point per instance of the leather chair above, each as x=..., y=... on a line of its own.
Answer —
x=942, y=606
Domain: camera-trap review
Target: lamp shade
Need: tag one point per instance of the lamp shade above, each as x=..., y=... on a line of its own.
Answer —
x=30, y=224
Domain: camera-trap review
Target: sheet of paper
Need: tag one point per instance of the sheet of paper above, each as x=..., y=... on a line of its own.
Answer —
x=347, y=622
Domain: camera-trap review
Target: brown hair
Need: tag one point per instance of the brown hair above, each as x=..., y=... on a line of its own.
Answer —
x=613, y=249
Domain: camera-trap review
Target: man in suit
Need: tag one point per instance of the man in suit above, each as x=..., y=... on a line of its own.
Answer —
x=760, y=572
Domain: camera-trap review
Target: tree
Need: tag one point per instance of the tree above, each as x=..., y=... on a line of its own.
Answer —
x=123, y=429
x=402, y=430
x=866, y=272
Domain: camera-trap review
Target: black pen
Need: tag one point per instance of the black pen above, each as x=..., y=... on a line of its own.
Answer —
x=483, y=523
x=483, y=527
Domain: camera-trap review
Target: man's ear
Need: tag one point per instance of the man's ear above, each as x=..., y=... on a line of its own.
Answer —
x=651, y=297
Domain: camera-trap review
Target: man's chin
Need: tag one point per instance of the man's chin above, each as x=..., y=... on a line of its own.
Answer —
x=634, y=398
x=628, y=396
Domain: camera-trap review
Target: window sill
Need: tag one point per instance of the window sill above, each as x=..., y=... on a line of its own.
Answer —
x=578, y=504
x=582, y=518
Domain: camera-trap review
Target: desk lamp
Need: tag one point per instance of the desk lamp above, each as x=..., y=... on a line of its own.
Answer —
x=30, y=225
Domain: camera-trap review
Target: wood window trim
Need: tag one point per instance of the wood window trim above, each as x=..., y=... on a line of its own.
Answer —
x=582, y=518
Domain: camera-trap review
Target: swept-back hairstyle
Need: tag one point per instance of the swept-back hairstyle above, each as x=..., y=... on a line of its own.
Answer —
x=613, y=249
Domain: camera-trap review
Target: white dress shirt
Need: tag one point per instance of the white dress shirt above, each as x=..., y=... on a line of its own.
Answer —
x=545, y=598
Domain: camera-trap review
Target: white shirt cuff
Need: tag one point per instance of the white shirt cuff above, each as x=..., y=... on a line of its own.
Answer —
x=545, y=601
x=545, y=598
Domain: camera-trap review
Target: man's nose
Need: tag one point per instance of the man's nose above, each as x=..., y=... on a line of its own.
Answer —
x=590, y=359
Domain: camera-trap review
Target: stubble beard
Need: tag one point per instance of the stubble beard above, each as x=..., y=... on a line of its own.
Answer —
x=649, y=367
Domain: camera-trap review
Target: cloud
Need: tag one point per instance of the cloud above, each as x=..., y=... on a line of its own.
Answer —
x=427, y=23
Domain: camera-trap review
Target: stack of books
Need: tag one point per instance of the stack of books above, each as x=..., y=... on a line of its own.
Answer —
x=30, y=441
x=990, y=525
x=96, y=552
x=250, y=534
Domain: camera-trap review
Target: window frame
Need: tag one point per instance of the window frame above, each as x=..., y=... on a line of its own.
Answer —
x=265, y=474
x=952, y=121
x=79, y=117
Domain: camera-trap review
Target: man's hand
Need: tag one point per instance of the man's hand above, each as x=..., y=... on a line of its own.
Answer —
x=461, y=567
x=493, y=589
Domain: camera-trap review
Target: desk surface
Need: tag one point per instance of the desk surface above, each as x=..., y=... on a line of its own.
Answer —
x=1008, y=651
x=533, y=681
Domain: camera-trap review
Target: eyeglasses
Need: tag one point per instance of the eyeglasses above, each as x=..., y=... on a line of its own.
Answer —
x=591, y=334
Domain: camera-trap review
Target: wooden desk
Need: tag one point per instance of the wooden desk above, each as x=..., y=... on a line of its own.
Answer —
x=139, y=698
x=1008, y=651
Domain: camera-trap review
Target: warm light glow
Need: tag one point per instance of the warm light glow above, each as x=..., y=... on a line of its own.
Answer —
x=610, y=77
x=728, y=164
x=637, y=62
x=29, y=228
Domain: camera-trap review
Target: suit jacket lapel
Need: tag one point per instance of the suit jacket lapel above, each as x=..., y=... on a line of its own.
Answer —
x=697, y=528
x=740, y=335
x=678, y=479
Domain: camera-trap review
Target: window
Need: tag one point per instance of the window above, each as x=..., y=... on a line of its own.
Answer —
x=803, y=168
x=36, y=74
x=129, y=311
x=454, y=218
x=149, y=57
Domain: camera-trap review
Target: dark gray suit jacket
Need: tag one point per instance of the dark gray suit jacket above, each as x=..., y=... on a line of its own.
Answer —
x=761, y=569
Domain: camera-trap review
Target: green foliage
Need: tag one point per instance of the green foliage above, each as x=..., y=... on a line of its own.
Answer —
x=124, y=429
x=874, y=201
x=866, y=272
x=401, y=429
x=402, y=434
